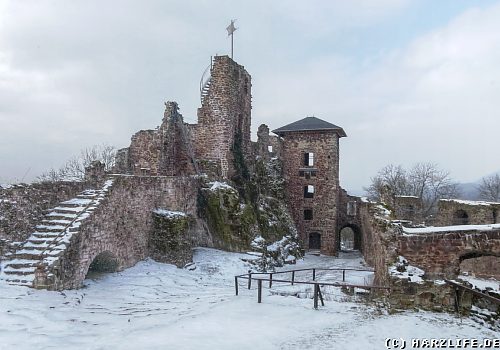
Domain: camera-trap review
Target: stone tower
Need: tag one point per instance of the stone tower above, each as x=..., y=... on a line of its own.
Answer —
x=223, y=131
x=310, y=153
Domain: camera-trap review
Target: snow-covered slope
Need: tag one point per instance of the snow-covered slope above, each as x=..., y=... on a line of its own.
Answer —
x=158, y=306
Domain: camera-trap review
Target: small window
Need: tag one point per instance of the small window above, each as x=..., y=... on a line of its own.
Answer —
x=351, y=208
x=308, y=174
x=309, y=191
x=301, y=173
x=308, y=159
x=270, y=149
x=308, y=214
x=313, y=173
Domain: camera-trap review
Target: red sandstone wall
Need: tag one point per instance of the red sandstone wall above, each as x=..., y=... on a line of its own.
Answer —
x=122, y=223
x=440, y=254
x=324, y=145
x=225, y=112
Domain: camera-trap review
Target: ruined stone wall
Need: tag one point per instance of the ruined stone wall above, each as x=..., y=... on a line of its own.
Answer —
x=478, y=213
x=144, y=152
x=22, y=206
x=378, y=241
x=440, y=253
x=224, y=117
x=408, y=208
x=350, y=214
x=122, y=223
x=324, y=145
x=267, y=146
x=166, y=151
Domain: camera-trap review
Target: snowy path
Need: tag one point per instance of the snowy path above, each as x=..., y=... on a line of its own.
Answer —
x=157, y=306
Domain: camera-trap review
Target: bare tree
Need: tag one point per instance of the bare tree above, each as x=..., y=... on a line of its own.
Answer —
x=423, y=180
x=489, y=189
x=74, y=169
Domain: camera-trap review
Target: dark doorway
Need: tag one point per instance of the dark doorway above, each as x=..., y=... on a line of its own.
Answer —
x=314, y=240
x=460, y=217
x=103, y=263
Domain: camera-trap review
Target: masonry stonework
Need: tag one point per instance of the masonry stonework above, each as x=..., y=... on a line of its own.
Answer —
x=322, y=175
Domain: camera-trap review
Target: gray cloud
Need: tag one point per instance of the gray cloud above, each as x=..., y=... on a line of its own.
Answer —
x=74, y=74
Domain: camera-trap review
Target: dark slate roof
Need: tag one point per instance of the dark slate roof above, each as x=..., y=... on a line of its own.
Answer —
x=308, y=124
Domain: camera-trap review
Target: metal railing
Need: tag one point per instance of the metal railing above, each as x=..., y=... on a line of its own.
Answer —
x=317, y=296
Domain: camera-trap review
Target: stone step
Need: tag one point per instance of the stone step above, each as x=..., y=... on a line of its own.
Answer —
x=39, y=237
x=21, y=281
x=52, y=221
x=19, y=271
x=50, y=228
x=61, y=216
x=69, y=210
x=20, y=264
x=28, y=255
x=75, y=202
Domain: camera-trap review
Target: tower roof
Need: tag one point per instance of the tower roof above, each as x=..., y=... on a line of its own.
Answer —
x=310, y=124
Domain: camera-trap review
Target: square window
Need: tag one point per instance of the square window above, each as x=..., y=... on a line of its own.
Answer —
x=308, y=159
x=351, y=208
x=308, y=214
x=309, y=191
x=270, y=149
x=301, y=173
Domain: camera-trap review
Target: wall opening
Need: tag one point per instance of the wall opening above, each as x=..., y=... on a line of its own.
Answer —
x=309, y=159
x=103, y=263
x=314, y=240
x=349, y=239
x=309, y=191
x=308, y=214
x=460, y=217
x=480, y=265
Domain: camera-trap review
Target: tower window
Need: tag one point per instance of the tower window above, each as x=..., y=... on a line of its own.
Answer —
x=309, y=191
x=308, y=159
x=308, y=214
x=351, y=208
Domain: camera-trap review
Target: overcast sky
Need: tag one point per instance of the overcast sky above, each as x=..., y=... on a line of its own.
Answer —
x=408, y=80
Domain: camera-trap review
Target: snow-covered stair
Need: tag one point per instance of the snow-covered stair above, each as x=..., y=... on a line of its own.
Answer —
x=51, y=238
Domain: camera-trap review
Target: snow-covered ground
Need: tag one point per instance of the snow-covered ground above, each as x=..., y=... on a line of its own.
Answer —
x=158, y=306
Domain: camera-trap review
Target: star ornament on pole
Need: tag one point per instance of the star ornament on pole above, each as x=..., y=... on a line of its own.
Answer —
x=230, y=32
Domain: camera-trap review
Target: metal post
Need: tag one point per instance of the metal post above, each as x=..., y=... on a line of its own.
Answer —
x=236, y=284
x=316, y=287
x=249, y=280
x=314, y=274
x=259, y=291
x=343, y=275
x=293, y=277
x=270, y=279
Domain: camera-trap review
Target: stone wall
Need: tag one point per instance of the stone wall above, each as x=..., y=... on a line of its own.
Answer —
x=121, y=225
x=267, y=146
x=408, y=208
x=323, y=175
x=451, y=212
x=439, y=254
x=22, y=206
x=351, y=213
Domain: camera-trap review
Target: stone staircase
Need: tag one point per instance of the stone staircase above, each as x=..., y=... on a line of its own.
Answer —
x=51, y=238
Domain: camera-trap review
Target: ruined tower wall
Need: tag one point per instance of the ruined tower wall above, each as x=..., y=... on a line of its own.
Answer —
x=478, y=213
x=325, y=147
x=224, y=117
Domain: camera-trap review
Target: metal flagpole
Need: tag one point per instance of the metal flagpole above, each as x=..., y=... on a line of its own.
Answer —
x=230, y=30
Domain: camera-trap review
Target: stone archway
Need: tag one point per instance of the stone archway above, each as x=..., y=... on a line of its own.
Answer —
x=480, y=264
x=105, y=262
x=349, y=238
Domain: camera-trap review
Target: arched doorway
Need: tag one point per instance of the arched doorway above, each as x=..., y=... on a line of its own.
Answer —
x=349, y=238
x=104, y=262
x=460, y=217
x=314, y=241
